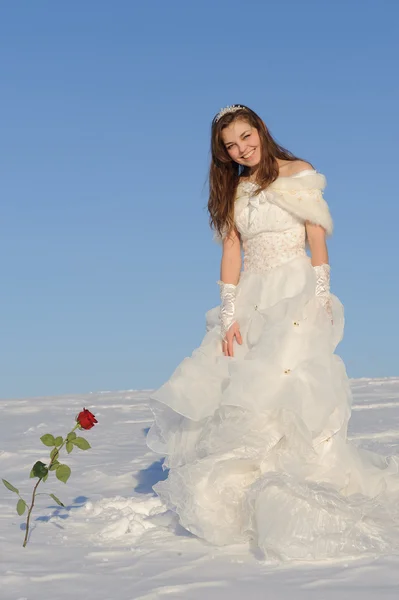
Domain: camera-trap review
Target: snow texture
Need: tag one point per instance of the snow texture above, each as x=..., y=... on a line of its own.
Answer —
x=115, y=541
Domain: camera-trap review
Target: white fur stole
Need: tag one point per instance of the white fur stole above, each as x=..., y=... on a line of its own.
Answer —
x=301, y=196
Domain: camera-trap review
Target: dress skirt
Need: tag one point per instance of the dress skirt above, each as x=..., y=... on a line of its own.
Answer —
x=256, y=444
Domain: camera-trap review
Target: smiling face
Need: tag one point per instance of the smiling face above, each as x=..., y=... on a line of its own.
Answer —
x=242, y=143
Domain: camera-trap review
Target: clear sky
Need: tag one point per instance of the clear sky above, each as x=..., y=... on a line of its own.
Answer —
x=107, y=261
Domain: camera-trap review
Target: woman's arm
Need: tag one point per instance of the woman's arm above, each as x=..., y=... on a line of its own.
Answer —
x=230, y=270
x=319, y=258
x=316, y=235
x=230, y=266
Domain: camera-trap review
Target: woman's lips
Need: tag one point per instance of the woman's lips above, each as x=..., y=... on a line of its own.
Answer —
x=249, y=155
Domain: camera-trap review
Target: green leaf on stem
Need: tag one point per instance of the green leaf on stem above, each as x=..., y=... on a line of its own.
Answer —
x=54, y=453
x=21, y=505
x=58, y=441
x=63, y=473
x=69, y=447
x=54, y=465
x=48, y=439
x=81, y=443
x=44, y=479
x=71, y=436
x=10, y=487
x=39, y=469
x=54, y=497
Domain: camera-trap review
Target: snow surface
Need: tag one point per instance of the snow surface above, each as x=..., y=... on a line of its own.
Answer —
x=114, y=540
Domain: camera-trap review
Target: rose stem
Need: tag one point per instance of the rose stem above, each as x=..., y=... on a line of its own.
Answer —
x=56, y=455
x=29, y=513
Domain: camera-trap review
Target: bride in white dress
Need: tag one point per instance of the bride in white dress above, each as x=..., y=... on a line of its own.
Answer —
x=254, y=424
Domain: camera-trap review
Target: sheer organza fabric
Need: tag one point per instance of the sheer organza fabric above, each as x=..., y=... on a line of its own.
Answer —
x=257, y=444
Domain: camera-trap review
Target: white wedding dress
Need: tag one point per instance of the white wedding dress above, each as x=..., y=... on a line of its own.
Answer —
x=256, y=444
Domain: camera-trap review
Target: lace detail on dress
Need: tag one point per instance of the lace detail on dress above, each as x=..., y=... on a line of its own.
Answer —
x=271, y=249
x=272, y=222
x=323, y=287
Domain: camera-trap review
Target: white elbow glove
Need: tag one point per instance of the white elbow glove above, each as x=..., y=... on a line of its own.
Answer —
x=227, y=306
x=323, y=287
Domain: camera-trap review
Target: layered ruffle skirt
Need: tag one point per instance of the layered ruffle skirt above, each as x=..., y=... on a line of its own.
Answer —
x=256, y=445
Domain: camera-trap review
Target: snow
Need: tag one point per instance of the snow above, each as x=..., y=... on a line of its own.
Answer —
x=115, y=541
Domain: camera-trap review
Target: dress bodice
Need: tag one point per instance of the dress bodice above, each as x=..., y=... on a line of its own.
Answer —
x=272, y=223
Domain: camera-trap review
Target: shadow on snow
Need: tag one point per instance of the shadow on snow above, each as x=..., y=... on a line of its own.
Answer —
x=61, y=512
x=148, y=477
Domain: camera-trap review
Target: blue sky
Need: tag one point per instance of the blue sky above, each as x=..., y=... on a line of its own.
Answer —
x=108, y=264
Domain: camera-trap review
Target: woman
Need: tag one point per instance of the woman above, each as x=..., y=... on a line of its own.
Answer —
x=254, y=423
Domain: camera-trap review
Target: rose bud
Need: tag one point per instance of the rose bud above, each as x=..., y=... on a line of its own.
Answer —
x=86, y=419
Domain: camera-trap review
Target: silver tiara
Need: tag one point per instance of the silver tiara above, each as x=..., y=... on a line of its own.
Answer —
x=227, y=109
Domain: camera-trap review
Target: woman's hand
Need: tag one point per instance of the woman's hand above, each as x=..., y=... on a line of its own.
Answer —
x=227, y=344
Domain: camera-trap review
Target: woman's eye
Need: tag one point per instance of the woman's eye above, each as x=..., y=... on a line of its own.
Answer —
x=245, y=136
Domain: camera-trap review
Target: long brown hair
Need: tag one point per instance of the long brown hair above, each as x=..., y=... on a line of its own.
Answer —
x=225, y=174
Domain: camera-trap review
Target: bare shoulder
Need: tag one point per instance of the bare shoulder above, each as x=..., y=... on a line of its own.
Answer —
x=299, y=165
x=292, y=167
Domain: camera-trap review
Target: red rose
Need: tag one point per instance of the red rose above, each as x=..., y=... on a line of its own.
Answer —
x=86, y=419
